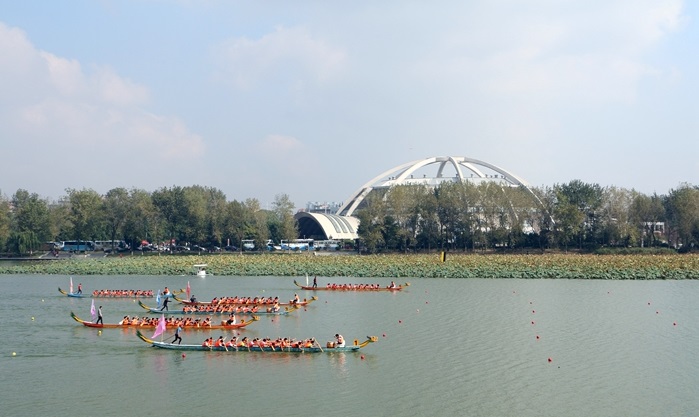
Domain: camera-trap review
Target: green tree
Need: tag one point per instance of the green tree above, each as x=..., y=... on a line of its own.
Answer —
x=30, y=222
x=116, y=211
x=86, y=214
x=5, y=222
x=682, y=206
x=282, y=217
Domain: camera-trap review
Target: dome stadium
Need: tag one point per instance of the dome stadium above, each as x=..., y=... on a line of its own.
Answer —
x=429, y=171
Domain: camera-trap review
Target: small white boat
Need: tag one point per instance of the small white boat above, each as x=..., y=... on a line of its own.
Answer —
x=200, y=270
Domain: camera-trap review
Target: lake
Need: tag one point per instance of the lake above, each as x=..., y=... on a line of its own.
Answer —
x=446, y=347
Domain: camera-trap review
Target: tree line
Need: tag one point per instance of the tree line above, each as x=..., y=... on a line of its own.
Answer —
x=451, y=216
x=194, y=214
x=575, y=215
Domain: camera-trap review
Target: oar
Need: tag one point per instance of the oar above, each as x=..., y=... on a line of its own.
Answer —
x=319, y=347
x=224, y=344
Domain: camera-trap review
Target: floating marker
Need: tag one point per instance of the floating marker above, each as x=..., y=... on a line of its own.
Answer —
x=674, y=324
x=418, y=310
x=384, y=335
x=532, y=322
x=14, y=353
x=184, y=356
x=550, y=360
x=32, y=318
x=533, y=311
x=400, y=321
x=362, y=357
x=537, y=337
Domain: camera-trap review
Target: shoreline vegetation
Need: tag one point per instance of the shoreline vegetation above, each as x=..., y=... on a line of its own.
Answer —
x=530, y=266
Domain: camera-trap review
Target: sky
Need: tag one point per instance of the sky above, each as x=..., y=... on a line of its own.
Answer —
x=312, y=99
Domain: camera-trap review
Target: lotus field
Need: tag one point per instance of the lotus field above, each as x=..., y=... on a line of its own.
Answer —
x=565, y=266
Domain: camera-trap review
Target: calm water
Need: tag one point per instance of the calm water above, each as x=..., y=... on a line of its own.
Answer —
x=446, y=347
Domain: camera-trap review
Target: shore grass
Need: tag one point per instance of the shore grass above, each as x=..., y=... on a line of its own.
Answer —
x=548, y=266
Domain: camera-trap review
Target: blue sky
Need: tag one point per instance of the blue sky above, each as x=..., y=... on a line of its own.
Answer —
x=312, y=99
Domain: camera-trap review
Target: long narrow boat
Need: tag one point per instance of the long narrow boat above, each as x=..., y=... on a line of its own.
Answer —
x=126, y=294
x=316, y=349
x=168, y=325
x=262, y=312
x=352, y=287
x=251, y=304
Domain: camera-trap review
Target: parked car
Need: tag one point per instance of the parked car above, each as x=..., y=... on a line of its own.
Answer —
x=199, y=248
x=231, y=248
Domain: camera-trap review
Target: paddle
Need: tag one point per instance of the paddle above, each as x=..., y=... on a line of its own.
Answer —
x=319, y=347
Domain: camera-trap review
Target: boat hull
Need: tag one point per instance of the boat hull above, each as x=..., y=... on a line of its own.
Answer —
x=316, y=349
x=283, y=312
x=351, y=289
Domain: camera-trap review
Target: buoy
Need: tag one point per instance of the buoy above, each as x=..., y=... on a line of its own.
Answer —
x=537, y=337
x=14, y=353
x=550, y=360
x=418, y=310
x=183, y=355
x=32, y=318
x=533, y=311
x=384, y=335
x=657, y=312
x=42, y=300
x=427, y=302
x=674, y=324
x=99, y=332
x=362, y=357
x=400, y=321
x=532, y=321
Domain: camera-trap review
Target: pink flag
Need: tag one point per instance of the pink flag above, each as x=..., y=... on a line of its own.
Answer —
x=71, y=285
x=189, y=291
x=160, y=328
x=92, y=310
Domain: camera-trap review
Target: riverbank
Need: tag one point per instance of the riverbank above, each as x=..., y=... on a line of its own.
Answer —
x=547, y=266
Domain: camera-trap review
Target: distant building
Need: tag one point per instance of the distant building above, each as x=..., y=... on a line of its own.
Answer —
x=325, y=221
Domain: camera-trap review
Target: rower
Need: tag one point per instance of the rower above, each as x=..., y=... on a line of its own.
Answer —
x=340, y=341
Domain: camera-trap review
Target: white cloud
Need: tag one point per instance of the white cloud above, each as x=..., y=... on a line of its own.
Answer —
x=287, y=53
x=56, y=113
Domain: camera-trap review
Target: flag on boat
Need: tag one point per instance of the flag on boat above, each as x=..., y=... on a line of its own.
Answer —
x=71, y=285
x=189, y=291
x=160, y=328
x=92, y=310
x=157, y=299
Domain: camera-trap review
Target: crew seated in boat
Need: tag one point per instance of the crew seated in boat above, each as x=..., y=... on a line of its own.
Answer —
x=231, y=320
x=393, y=285
x=295, y=300
x=274, y=309
x=219, y=342
x=208, y=342
x=340, y=341
x=232, y=343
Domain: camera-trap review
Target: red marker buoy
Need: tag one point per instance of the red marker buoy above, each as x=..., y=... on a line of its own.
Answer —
x=532, y=322
x=674, y=324
x=400, y=321
x=533, y=311
x=537, y=337
x=384, y=335
x=183, y=355
x=550, y=360
x=362, y=357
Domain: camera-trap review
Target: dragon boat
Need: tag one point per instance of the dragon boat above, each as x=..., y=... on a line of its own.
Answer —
x=221, y=326
x=269, y=349
x=228, y=301
x=353, y=287
x=282, y=312
x=127, y=294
